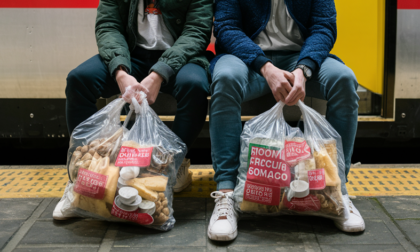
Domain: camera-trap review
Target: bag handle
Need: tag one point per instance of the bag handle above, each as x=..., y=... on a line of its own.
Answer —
x=307, y=115
x=135, y=106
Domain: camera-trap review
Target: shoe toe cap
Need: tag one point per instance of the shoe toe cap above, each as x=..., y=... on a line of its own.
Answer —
x=221, y=227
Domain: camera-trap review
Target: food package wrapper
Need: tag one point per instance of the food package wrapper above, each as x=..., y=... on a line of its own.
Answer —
x=104, y=156
x=275, y=158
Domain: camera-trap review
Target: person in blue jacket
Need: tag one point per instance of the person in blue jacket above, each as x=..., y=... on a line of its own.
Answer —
x=282, y=47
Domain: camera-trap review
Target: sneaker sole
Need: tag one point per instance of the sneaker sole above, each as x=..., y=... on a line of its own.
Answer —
x=224, y=237
x=62, y=218
x=189, y=181
x=352, y=229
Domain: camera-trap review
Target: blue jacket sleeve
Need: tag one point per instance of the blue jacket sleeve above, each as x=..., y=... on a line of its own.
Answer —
x=232, y=39
x=322, y=34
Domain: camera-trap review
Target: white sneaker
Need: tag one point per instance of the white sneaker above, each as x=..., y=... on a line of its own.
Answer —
x=355, y=222
x=59, y=215
x=223, y=222
x=184, y=176
x=58, y=210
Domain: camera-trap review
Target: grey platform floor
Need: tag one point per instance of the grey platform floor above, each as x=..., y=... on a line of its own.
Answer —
x=392, y=224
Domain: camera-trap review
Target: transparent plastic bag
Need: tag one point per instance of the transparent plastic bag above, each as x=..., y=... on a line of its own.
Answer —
x=284, y=171
x=155, y=174
x=130, y=175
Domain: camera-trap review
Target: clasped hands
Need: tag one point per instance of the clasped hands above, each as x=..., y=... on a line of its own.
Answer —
x=149, y=85
x=285, y=86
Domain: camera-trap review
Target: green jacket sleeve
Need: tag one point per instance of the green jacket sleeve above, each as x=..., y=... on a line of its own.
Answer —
x=109, y=30
x=194, y=39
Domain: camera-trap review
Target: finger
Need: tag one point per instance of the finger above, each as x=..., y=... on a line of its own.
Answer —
x=137, y=96
x=291, y=95
x=294, y=101
x=277, y=96
x=282, y=98
x=136, y=87
x=286, y=85
x=289, y=76
x=284, y=94
x=141, y=88
x=127, y=99
x=144, y=89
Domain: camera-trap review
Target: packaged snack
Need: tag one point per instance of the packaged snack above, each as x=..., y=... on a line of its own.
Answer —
x=124, y=175
x=285, y=171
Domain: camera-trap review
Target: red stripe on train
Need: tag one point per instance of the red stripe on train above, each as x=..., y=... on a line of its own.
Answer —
x=49, y=3
x=408, y=4
x=402, y=4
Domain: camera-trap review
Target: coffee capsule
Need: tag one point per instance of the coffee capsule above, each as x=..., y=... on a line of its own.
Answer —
x=124, y=206
x=147, y=206
x=127, y=194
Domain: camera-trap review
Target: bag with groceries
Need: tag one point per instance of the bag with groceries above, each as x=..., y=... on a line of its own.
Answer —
x=284, y=171
x=124, y=175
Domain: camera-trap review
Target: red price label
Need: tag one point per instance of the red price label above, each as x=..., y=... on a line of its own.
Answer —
x=134, y=216
x=90, y=184
x=262, y=194
x=296, y=151
x=266, y=166
x=316, y=179
x=129, y=156
x=267, y=173
x=308, y=203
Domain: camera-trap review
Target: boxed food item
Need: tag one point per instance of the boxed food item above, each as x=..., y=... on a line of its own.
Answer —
x=124, y=175
x=285, y=171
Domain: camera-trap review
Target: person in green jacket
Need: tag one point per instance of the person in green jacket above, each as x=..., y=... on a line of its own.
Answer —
x=152, y=46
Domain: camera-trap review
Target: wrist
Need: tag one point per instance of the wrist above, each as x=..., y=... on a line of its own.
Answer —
x=120, y=72
x=299, y=72
x=265, y=68
x=156, y=77
x=306, y=71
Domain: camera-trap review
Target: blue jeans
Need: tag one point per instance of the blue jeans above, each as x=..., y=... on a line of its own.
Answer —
x=235, y=83
x=91, y=80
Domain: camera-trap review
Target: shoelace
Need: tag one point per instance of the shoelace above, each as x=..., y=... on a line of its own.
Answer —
x=351, y=206
x=223, y=203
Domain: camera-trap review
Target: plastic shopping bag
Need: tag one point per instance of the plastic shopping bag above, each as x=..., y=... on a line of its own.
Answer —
x=152, y=174
x=123, y=175
x=285, y=171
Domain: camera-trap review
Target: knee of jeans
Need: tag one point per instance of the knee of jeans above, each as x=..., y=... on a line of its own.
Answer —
x=76, y=79
x=348, y=80
x=346, y=84
x=195, y=85
x=228, y=82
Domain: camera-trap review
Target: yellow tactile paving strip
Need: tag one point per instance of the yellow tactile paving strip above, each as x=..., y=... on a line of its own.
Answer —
x=42, y=183
x=32, y=183
x=389, y=182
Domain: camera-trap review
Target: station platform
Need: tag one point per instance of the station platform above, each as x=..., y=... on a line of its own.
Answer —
x=388, y=197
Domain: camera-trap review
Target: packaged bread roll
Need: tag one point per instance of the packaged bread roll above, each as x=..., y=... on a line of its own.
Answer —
x=99, y=206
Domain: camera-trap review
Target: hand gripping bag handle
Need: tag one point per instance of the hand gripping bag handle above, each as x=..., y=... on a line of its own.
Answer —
x=135, y=107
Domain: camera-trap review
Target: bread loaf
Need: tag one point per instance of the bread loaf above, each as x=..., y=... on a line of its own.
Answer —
x=156, y=183
x=143, y=191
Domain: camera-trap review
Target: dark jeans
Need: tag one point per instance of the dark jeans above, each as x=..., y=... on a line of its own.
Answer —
x=92, y=80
